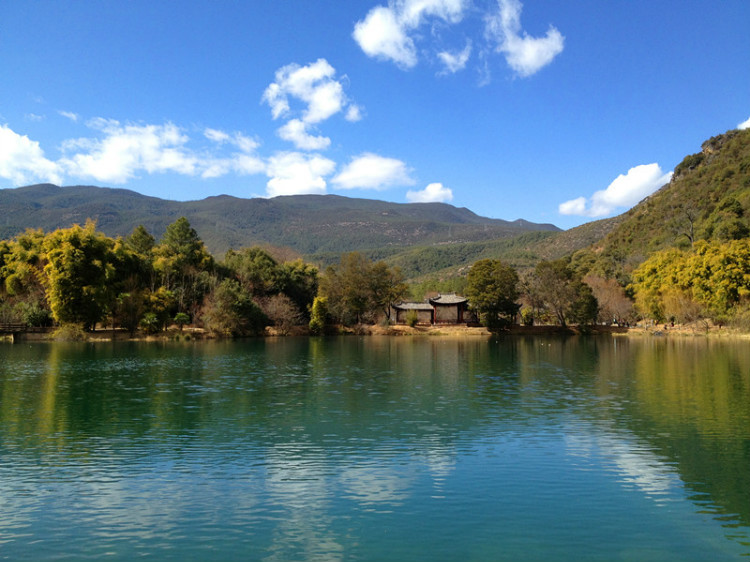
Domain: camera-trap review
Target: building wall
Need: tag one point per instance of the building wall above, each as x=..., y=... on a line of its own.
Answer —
x=446, y=314
x=423, y=316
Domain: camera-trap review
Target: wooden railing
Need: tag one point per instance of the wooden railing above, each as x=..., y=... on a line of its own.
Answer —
x=17, y=327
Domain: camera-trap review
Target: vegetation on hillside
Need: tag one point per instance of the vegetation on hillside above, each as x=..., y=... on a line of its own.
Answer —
x=709, y=281
x=305, y=223
x=707, y=199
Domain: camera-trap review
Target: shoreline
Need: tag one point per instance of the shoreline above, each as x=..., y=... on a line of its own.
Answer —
x=398, y=330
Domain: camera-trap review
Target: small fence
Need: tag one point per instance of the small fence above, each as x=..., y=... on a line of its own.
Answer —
x=18, y=327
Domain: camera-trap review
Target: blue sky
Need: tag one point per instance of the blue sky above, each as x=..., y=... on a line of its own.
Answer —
x=558, y=112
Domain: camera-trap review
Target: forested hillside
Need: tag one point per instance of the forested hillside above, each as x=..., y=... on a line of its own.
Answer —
x=305, y=223
x=707, y=199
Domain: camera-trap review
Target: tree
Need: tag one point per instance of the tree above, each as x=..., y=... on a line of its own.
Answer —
x=318, y=315
x=492, y=290
x=299, y=281
x=713, y=279
x=358, y=289
x=181, y=319
x=183, y=263
x=584, y=309
x=79, y=275
x=563, y=292
x=614, y=304
x=386, y=286
x=140, y=246
x=255, y=269
x=281, y=312
x=229, y=310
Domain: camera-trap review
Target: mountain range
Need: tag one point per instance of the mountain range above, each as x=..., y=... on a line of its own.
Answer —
x=308, y=224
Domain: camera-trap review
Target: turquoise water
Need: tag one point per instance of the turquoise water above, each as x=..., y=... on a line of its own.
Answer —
x=376, y=449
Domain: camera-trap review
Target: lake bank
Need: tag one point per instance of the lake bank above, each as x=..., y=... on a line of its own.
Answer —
x=400, y=330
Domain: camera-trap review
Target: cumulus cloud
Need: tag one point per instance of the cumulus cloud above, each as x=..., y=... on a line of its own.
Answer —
x=22, y=160
x=391, y=32
x=433, y=193
x=296, y=132
x=385, y=31
x=126, y=149
x=380, y=35
x=294, y=173
x=624, y=192
x=69, y=115
x=116, y=153
x=371, y=171
x=526, y=55
x=321, y=94
x=744, y=124
x=453, y=62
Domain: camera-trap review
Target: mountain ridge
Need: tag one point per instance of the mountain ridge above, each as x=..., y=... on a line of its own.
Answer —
x=304, y=223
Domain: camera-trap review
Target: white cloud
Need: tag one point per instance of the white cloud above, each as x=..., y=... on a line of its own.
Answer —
x=127, y=149
x=384, y=33
x=624, y=192
x=69, y=115
x=575, y=206
x=454, y=62
x=322, y=95
x=34, y=117
x=433, y=193
x=294, y=173
x=118, y=153
x=295, y=131
x=353, y=113
x=22, y=160
x=245, y=144
x=526, y=55
x=380, y=35
x=239, y=163
x=371, y=171
x=744, y=124
x=391, y=32
x=242, y=142
x=216, y=135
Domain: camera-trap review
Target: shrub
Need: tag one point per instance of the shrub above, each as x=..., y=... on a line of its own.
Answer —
x=182, y=319
x=412, y=318
x=318, y=315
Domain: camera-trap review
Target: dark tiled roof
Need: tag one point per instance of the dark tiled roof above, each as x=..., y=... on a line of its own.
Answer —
x=413, y=306
x=448, y=299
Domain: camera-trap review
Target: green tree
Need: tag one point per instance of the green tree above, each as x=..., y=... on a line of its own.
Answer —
x=386, y=286
x=346, y=287
x=256, y=270
x=584, y=309
x=318, y=315
x=183, y=263
x=140, y=246
x=299, y=281
x=182, y=319
x=229, y=310
x=358, y=289
x=492, y=290
x=563, y=293
x=79, y=275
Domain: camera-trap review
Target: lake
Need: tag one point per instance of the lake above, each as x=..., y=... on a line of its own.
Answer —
x=376, y=448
